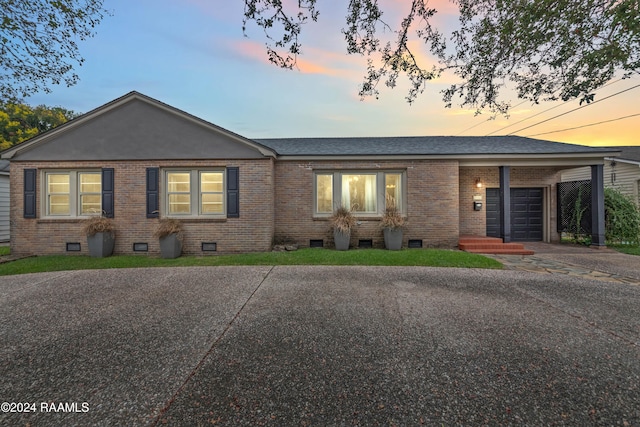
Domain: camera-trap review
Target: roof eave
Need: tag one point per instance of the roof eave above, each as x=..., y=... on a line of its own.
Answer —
x=621, y=160
x=559, y=159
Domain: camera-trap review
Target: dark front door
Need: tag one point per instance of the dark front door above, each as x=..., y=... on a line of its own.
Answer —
x=526, y=214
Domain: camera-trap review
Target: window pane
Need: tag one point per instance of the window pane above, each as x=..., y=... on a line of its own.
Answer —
x=59, y=205
x=359, y=192
x=211, y=182
x=324, y=193
x=212, y=204
x=179, y=182
x=90, y=204
x=57, y=183
x=393, y=191
x=179, y=203
x=90, y=183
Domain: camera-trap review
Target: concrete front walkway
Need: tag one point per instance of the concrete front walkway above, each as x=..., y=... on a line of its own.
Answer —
x=574, y=260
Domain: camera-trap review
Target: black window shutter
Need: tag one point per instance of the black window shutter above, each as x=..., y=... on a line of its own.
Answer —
x=30, y=193
x=233, y=192
x=107, y=192
x=153, y=192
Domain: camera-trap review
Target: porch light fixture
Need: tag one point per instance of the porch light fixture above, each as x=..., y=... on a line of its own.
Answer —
x=478, y=183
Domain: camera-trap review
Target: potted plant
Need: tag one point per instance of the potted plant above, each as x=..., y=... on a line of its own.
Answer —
x=392, y=224
x=342, y=221
x=170, y=233
x=100, y=233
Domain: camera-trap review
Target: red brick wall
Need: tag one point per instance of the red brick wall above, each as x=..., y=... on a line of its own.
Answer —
x=253, y=231
x=474, y=222
x=432, y=202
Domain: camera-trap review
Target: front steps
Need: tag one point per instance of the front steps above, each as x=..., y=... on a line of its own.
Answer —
x=491, y=245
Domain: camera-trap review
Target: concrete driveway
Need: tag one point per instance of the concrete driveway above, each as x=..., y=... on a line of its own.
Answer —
x=318, y=346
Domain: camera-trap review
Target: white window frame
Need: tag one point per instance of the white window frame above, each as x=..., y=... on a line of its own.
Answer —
x=195, y=201
x=380, y=190
x=74, y=192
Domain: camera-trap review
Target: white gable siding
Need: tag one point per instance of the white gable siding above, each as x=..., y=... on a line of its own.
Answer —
x=623, y=176
x=4, y=208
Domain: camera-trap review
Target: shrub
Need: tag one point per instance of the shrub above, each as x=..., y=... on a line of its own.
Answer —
x=622, y=218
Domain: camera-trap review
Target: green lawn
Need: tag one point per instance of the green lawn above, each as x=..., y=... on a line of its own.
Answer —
x=407, y=257
x=626, y=249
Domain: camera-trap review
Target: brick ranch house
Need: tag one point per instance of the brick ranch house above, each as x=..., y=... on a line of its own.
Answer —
x=137, y=160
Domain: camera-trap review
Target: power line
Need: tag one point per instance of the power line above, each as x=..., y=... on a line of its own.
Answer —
x=576, y=109
x=584, y=126
x=528, y=118
x=487, y=120
x=544, y=111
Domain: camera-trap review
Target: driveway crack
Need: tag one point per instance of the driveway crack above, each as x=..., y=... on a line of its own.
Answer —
x=213, y=347
x=589, y=323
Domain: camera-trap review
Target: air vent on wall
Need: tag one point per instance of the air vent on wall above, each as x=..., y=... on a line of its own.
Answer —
x=415, y=243
x=209, y=246
x=316, y=243
x=140, y=247
x=73, y=247
x=365, y=243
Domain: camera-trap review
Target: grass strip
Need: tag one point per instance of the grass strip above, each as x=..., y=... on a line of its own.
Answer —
x=307, y=256
x=627, y=249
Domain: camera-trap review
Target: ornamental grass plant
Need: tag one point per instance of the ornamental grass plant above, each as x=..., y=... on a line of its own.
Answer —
x=342, y=220
x=392, y=219
x=168, y=226
x=97, y=224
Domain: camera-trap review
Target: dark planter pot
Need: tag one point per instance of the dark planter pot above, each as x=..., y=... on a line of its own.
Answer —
x=101, y=244
x=341, y=240
x=170, y=246
x=393, y=239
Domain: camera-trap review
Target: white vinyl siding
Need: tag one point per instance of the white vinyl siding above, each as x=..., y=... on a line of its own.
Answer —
x=623, y=176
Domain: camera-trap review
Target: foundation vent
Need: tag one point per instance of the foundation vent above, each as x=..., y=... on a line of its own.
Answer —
x=415, y=243
x=73, y=247
x=316, y=243
x=141, y=247
x=209, y=246
x=365, y=243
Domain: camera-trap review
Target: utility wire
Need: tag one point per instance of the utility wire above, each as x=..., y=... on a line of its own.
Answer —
x=544, y=111
x=584, y=126
x=528, y=118
x=487, y=120
x=575, y=109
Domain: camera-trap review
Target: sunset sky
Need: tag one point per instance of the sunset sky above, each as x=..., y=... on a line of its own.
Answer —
x=192, y=54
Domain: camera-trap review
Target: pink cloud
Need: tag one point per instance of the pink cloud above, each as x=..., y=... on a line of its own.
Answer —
x=312, y=61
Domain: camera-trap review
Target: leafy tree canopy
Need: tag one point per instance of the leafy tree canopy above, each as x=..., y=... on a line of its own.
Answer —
x=19, y=122
x=38, y=43
x=545, y=49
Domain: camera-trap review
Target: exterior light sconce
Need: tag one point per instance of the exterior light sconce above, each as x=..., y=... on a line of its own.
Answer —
x=478, y=183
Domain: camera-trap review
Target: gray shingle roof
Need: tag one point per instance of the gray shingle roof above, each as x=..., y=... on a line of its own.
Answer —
x=631, y=152
x=421, y=145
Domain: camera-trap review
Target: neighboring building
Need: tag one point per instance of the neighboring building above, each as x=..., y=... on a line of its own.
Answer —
x=136, y=159
x=622, y=172
x=4, y=201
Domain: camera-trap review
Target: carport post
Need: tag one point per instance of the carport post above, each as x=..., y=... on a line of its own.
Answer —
x=505, y=203
x=597, y=205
